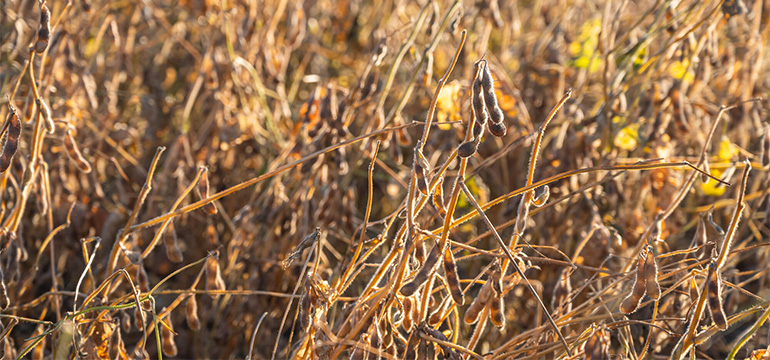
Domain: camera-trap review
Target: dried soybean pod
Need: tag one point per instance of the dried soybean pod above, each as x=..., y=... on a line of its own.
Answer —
x=214, y=281
x=419, y=252
x=44, y=32
x=706, y=170
x=597, y=346
x=651, y=275
x=468, y=148
x=497, y=129
x=172, y=247
x=166, y=334
x=118, y=349
x=438, y=197
x=700, y=237
x=37, y=353
x=478, y=130
x=45, y=112
x=438, y=313
x=693, y=290
x=305, y=311
x=453, y=281
x=402, y=137
x=421, y=178
x=562, y=292
x=480, y=112
x=142, y=279
x=4, y=302
x=490, y=98
x=496, y=305
x=422, y=275
x=478, y=304
x=428, y=73
x=631, y=302
x=714, y=283
x=125, y=321
x=139, y=317
x=191, y=314
x=11, y=139
x=421, y=166
x=522, y=214
x=203, y=192
x=74, y=153
x=408, y=321
x=496, y=313
x=540, y=198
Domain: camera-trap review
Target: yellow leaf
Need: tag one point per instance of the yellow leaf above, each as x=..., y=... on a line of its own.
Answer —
x=726, y=150
x=574, y=48
x=627, y=138
x=713, y=188
x=679, y=70
x=448, y=104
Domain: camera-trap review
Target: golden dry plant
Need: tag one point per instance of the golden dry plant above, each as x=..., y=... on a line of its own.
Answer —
x=349, y=179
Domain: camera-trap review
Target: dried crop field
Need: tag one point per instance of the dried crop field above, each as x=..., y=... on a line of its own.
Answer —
x=479, y=179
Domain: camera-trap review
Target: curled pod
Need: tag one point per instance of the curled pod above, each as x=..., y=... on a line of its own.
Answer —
x=714, y=283
x=379, y=54
x=631, y=302
x=11, y=139
x=167, y=336
x=452, y=279
x=203, y=192
x=44, y=32
x=478, y=304
x=74, y=153
x=651, y=275
x=540, y=198
x=191, y=314
x=402, y=137
x=45, y=112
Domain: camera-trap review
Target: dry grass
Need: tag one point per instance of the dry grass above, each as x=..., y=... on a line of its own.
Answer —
x=278, y=179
